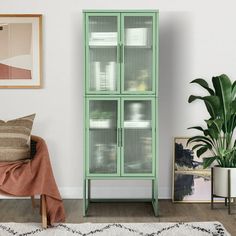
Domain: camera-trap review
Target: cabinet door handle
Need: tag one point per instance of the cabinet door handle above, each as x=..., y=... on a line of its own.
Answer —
x=121, y=137
x=121, y=53
x=118, y=136
x=118, y=58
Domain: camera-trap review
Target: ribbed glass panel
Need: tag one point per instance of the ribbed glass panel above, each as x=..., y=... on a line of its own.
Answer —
x=103, y=136
x=137, y=137
x=103, y=41
x=138, y=46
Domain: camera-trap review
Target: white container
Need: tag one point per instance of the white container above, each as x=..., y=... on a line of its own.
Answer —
x=100, y=124
x=136, y=37
x=137, y=124
x=220, y=181
x=103, y=39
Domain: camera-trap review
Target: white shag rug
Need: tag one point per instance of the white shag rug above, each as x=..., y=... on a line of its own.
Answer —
x=115, y=229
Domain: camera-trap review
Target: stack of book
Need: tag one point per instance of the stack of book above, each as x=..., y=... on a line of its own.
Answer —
x=105, y=80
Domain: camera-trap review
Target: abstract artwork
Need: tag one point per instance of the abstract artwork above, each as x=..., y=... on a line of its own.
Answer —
x=20, y=51
x=191, y=183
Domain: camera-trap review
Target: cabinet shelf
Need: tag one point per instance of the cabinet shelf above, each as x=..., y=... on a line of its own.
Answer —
x=141, y=124
x=104, y=129
x=137, y=47
x=99, y=46
x=94, y=46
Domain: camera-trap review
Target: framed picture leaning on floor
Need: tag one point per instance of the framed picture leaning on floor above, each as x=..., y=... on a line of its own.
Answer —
x=191, y=183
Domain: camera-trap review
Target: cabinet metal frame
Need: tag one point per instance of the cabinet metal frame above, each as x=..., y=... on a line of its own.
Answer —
x=87, y=159
x=87, y=56
x=120, y=95
x=154, y=48
x=87, y=194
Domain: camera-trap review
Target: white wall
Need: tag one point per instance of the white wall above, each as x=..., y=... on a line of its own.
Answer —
x=197, y=39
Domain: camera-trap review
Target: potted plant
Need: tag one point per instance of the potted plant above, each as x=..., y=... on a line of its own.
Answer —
x=218, y=133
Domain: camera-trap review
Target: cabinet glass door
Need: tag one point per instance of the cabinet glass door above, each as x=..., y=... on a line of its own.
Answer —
x=138, y=68
x=102, y=69
x=102, y=137
x=138, y=137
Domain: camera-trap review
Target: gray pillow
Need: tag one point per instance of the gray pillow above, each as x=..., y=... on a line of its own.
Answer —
x=15, y=138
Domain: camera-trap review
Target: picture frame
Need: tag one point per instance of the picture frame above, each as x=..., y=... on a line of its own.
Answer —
x=191, y=183
x=20, y=51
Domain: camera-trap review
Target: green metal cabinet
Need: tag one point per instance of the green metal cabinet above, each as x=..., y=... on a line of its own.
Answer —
x=120, y=98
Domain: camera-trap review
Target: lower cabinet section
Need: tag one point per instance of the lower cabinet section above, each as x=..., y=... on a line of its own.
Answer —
x=120, y=141
x=120, y=137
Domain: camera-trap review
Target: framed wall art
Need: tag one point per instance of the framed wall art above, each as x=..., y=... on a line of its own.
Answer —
x=20, y=51
x=191, y=183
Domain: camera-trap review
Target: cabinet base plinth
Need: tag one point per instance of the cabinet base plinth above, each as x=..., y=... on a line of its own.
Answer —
x=87, y=198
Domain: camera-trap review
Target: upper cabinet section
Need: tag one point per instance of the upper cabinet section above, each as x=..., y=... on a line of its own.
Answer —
x=102, y=53
x=138, y=45
x=121, y=52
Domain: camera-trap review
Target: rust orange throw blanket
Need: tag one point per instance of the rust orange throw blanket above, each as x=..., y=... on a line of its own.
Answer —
x=34, y=177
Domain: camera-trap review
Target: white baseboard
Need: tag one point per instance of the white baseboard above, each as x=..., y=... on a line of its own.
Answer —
x=9, y=197
x=107, y=192
x=71, y=192
x=164, y=193
x=114, y=192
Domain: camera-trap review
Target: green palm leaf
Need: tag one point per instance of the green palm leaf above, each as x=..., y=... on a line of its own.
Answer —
x=212, y=103
x=199, y=138
x=193, y=98
x=233, y=90
x=197, y=127
x=202, y=150
x=204, y=84
x=223, y=88
x=197, y=146
x=207, y=161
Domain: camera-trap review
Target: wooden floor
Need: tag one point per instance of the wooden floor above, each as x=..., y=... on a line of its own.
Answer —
x=21, y=211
